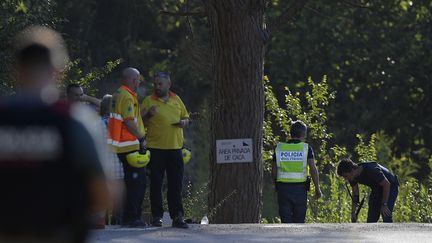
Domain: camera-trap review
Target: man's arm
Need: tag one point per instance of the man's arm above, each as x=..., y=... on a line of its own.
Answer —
x=127, y=111
x=378, y=177
x=315, y=177
x=182, y=123
x=386, y=190
x=133, y=128
x=93, y=100
x=184, y=116
x=274, y=170
x=147, y=114
x=355, y=202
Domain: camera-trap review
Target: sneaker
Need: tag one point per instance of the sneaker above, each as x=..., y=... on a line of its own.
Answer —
x=138, y=223
x=157, y=222
x=178, y=222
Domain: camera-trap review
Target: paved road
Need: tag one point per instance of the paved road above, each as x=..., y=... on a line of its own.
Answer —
x=272, y=233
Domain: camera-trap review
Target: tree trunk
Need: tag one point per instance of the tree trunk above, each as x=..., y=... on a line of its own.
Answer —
x=238, y=40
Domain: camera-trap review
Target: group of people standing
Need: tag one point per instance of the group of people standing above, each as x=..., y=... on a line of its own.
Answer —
x=156, y=124
x=164, y=115
x=51, y=170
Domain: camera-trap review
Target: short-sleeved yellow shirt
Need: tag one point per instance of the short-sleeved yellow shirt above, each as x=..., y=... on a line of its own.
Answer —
x=161, y=133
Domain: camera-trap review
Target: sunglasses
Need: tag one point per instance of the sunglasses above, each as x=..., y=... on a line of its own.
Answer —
x=162, y=75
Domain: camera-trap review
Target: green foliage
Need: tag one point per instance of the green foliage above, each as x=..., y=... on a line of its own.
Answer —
x=197, y=170
x=366, y=152
x=278, y=118
x=378, y=60
x=195, y=201
x=14, y=17
x=414, y=202
x=74, y=74
x=335, y=208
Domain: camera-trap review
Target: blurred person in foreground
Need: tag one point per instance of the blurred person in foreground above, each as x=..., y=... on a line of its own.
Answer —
x=51, y=177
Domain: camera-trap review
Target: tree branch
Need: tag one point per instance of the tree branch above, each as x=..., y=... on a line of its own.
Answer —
x=184, y=14
x=289, y=14
x=317, y=12
x=188, y=20
x=357, y=5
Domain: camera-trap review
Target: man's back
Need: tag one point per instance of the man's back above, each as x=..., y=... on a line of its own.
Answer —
x=373, y=173
x=124, y=106
x=47, y=160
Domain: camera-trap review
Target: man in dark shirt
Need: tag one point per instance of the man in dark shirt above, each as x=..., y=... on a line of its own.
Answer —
x=384, y=185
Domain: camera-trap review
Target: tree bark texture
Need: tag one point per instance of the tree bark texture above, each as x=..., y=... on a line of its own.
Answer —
x=238, y=42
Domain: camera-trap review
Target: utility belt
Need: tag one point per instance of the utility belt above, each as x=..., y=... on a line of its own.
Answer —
x=306, y=183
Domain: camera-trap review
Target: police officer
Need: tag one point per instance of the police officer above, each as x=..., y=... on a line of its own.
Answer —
x=384, y=185
x=292, y=160
x=51, y=173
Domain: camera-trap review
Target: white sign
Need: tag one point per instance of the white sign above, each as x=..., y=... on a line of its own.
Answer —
x=234, y=150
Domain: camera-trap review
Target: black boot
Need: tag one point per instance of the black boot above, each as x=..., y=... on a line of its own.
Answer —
x=157, y=222
x=178, y=222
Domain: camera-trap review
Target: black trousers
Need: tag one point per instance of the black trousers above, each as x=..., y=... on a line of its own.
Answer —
x=292, y=200
x=171, y=162
x=375, y=202
x=135, y=186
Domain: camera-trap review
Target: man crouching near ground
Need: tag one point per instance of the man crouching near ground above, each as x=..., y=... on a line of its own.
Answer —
x=384, y=185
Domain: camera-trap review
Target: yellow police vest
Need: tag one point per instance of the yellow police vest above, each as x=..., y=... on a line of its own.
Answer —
x=291, y=161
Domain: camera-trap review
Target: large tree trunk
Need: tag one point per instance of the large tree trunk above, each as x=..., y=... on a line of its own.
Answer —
x=238, y=39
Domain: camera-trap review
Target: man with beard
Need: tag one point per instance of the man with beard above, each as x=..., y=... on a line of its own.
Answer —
x=165, y=117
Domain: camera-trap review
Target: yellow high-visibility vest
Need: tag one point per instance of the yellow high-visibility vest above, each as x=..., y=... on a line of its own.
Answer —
x=291, y=161
x=124, y=106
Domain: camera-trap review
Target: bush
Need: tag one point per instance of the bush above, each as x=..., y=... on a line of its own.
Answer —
x=414, y=202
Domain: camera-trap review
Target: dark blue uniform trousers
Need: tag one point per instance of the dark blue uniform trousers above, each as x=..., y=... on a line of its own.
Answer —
x=135, y=186
x=375, y=202
x=292, y=200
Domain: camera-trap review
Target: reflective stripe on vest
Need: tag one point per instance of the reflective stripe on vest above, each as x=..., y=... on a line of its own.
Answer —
x=119, y=136
x=119, y=133
x=291, y=160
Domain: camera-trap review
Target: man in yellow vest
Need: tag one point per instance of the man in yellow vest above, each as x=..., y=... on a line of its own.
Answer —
x=165, y=118
x=126, y=135
x=290, y=170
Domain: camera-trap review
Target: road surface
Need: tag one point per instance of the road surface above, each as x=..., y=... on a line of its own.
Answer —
x=271, y=233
